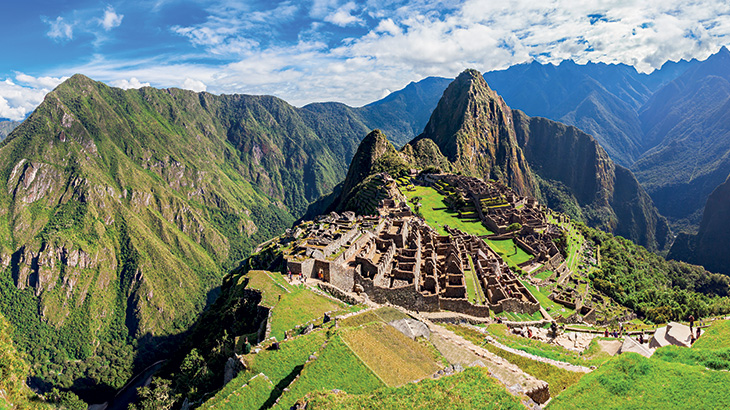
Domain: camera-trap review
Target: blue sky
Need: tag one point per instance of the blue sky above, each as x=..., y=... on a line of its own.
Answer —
x=330, y=50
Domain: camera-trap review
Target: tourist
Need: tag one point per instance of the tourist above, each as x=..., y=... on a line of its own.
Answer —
x=605, y=332
x=246, y=346
x=698, y=332
x=641, y=338
x=691, y=322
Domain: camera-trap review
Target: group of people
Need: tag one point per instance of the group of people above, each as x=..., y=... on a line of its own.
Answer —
x=300, y=277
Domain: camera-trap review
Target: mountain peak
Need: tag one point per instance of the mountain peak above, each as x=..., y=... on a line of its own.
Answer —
x=472, y=126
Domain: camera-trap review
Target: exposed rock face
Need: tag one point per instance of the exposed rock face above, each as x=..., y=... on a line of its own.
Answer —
x=472, y=126
x=709, y=247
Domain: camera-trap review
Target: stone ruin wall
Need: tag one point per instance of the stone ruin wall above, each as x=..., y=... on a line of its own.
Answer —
x=405, y=296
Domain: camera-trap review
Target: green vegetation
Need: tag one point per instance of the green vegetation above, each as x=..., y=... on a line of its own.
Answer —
x=13, y=373
x=249, y=396
x=509, y=251
x=558, y=379
x=631, y=381
x=436, y=214
x=337, y=367
x=291, y=306
x=717, y=336
x=471, y=389
x=554, y=309
x=279, y=366
x=653, y=287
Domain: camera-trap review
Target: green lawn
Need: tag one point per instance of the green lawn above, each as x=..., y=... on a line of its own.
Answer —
x=556, y=309
x=544, y=274
x=631, y=381
x=439, y=218
x=481, y=299
x=280, y=366
x=508, y=250
x=471, y=389
x=337, y=367
x=717, y=336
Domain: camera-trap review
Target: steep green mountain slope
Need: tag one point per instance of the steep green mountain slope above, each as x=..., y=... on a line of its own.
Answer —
x=687, y=138
x=14, y=393
x=6, y=127
x=472, y=127
x=709, y=246
x=120, y=210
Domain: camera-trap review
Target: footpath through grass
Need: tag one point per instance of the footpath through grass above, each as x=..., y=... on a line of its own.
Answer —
x=592, y=356
x=471, y=389
x=558, y=379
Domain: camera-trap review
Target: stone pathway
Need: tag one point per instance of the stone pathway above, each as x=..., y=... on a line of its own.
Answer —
x=509, y=374
x=563, y=365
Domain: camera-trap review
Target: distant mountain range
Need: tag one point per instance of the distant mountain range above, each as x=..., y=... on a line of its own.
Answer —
x=669, y=126
x=6, y=127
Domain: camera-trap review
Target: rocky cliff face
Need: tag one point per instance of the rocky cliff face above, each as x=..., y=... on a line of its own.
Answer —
x=472, y=126
x=709, y=246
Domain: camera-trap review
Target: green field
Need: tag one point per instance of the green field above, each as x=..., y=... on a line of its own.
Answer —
x=555, y=309
x=336, y=368
x=631, y=381
x=439, y=217
x=471, y=389
x=508, y=250
x=395, y=358
x=717, y=336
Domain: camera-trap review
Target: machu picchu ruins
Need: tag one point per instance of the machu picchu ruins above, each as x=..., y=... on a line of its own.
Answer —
x=394, y=257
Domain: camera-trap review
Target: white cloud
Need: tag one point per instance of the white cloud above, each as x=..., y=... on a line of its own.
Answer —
x=18, y=98
x=343, y=15
x=60, y=30
x=409, y=40
x=193, y=85
x=131, y=83
x=111, y=19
